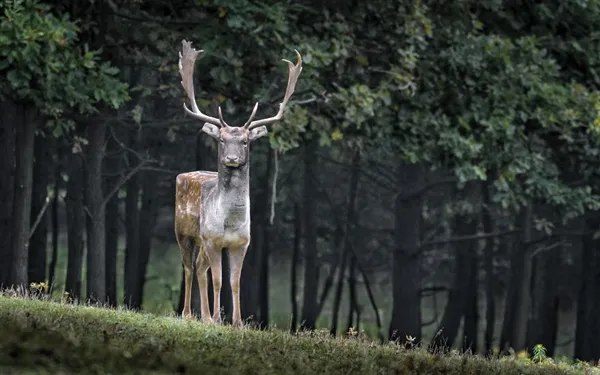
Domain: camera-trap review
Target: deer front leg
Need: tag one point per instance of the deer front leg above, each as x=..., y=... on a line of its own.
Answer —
x=215, y=268
x=202, y=264
x=236, y=260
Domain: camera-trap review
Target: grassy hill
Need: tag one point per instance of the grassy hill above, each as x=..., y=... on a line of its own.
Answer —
x=47, y=337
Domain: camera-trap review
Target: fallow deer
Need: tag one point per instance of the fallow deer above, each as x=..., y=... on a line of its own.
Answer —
x=212, y=209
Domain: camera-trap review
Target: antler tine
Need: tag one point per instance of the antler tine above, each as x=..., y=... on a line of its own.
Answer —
x=294, y=73
x=187, y=59
x=223, y=123
x=251, y=115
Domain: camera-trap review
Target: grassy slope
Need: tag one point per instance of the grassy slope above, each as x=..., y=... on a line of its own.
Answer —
x=43, y=336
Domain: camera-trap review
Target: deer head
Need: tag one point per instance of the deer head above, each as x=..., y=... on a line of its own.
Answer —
x=233, y=140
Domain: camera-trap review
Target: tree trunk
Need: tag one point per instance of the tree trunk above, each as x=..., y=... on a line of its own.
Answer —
x=471, y=312
x=543, y=324
x=294, y=266
x=523, y=297
x=490, y=309
x=132, y=228
x=406, y=269
x=22, y=199
x=265, y=249
x=39, y=240
x=352, y=300
x=462, y=296
x=96, y=254
x=147, y=221
x=8, y=139
x=111, y=224
x=311, y=276
x=587, y=328
x=516, y=310
x=337, y=297
x=345, y=249
x=76, y=217
x=54, y=214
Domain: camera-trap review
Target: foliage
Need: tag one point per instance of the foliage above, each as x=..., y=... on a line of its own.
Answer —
x=38, y=335
x=43, y=63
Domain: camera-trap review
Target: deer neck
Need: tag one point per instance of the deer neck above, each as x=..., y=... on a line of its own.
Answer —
x=233, y=195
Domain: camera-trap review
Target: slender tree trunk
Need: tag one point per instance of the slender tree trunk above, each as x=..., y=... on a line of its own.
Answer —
x=311, y=276
x=132, y=219
x=22, y=199
x=490, y=312
x=471, y=314
x=76, y=218
x=345, y=249
x=587, y=327
x=96, y=254
x=8, y=139
x=148, y=214
x=460, y=296
x=39, y=240
x=406, y=269
x=352, y=300
x=523, y=298
x=337, y=297
x=263, y=280
x=111, y=225
x=54, y=214
x=294, y=266
x=514, y=329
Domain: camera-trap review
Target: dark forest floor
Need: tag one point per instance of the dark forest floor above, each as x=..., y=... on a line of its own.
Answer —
x=46, y=337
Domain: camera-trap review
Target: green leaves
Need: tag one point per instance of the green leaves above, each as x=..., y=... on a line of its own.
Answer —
x=44, y=65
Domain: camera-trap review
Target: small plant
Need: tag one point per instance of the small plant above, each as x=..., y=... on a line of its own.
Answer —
x=539, y=354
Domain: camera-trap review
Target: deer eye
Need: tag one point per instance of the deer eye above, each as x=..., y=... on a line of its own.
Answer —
x=221, y=140
x=245, y=143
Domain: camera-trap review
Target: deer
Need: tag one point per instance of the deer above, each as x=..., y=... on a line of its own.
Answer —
x=212, y=209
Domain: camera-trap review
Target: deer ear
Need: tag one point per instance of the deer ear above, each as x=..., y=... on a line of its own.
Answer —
x=256, y=133
x=211, y=130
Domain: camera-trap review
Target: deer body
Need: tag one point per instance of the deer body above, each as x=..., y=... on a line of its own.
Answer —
x=212, y=209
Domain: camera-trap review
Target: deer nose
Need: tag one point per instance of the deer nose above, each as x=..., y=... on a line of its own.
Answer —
x=232, y=160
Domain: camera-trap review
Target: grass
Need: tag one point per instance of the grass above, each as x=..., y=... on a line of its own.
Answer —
x=41, y=337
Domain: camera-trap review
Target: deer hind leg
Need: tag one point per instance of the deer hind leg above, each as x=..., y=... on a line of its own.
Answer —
x=202, y=264
x=236, y=260
x=214, y=256
x=187, y=250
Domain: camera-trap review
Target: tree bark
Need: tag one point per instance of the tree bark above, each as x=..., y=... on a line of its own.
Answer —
x=345, y=249
x=587, y=328
x=36, y=271
x=311, y=275
x=265, y=249
x=294, y=266
x=76, y=218
x=96, y=254
x=21, y=209
x=352, y=300
x=148, y=214
x=462, y=296
x=132, y=228
x=111, y=225
x=406, y=269
x=8, y=139
x=516, y=310
x=490, y=309
x=54, y=214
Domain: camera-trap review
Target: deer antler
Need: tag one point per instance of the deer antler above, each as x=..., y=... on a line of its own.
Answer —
x=187, y=59
x=292, y=79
